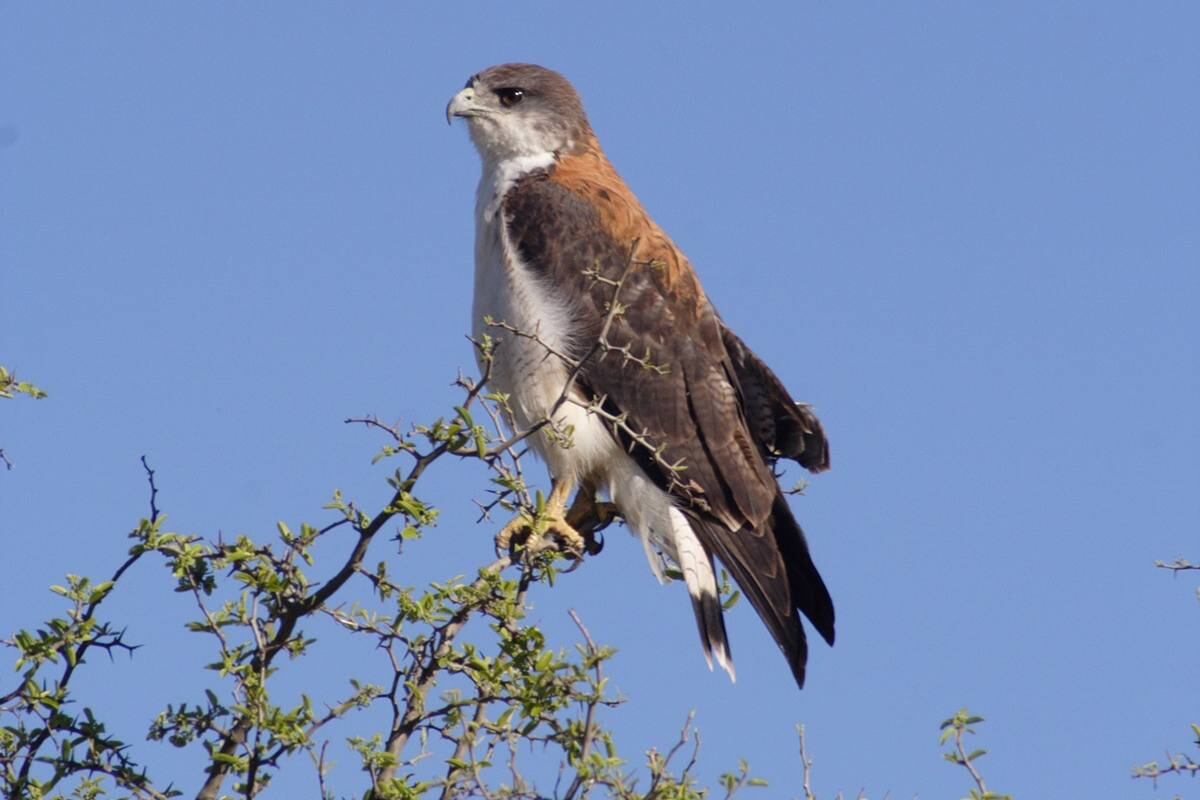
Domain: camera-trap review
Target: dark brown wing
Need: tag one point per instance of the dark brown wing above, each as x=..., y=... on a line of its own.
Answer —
x=665, y=365
x=785, y=428
x=666, y=372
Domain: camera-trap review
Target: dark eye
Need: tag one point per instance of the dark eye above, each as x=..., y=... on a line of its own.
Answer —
x=510, y=97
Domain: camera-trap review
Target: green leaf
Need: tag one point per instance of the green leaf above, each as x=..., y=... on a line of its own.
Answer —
x=100, y=592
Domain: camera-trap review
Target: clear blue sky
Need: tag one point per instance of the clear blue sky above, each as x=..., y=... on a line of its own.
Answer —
x=966, y=232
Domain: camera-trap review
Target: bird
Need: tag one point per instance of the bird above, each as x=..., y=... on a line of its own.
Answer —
x=602, y=335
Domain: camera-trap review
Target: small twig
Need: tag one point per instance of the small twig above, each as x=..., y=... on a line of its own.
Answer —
x=153, y=491
x=589, y=728
x=684, y=735
x=462, y=749
x=1178, y=565
x=215, y=629
x=321, y=771
x=966, y=761
x=373, y=422
x=806, y=765
x=469, y=733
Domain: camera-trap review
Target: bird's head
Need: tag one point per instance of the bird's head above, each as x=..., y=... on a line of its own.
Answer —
x=516, y=110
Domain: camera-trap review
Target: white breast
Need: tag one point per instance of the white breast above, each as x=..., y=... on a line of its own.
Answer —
x=530, y=371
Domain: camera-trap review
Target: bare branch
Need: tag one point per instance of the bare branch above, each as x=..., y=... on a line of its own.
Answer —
x=589, y=728
x=806, y=766
x=1178, y=565
x=153, y=490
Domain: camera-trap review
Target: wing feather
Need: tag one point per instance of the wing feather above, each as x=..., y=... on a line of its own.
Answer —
x=784, y=427
x=744, y=478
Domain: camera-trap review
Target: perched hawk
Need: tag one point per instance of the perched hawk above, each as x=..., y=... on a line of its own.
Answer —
x=670, y=414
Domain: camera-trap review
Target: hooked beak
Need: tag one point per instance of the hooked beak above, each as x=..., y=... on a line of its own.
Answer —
x=462, y=105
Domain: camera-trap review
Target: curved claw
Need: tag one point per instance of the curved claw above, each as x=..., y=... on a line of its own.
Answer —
x=593, y=543
x=570, y=541
x=574, y=531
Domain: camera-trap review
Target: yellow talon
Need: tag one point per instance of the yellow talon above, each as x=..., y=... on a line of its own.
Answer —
x=554, y=522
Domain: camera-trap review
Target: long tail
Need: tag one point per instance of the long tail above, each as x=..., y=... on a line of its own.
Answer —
x=774, y=569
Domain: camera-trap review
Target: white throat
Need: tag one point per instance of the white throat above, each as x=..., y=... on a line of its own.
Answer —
x=500, y=175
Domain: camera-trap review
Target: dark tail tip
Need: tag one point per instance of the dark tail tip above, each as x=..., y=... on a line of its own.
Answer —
x=808, y=590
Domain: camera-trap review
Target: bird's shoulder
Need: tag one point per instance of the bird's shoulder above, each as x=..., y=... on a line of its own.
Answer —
x=578, y=214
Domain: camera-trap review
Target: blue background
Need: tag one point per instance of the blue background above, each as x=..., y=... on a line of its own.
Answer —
x=966, y=232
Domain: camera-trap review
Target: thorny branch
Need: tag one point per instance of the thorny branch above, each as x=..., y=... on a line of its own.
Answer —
x=532, y=686
x=1176, y=764
x=79, y=634
x=1178, y=565
x=297, y=609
